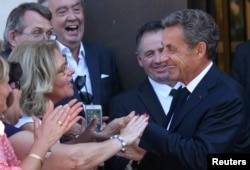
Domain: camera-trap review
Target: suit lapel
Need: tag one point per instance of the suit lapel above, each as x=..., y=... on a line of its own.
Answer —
x=92, y=61
x=200, y=93
x=148, y=97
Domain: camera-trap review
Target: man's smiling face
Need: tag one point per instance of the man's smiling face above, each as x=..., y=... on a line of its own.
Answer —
x=67, y=20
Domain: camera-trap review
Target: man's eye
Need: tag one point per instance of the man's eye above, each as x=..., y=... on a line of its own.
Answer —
x=171, y=49
x=149, y=55
x=61, y=12
x=77, y=9
x=37, y=34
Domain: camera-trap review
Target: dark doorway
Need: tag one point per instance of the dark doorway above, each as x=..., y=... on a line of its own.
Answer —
x=114, y=23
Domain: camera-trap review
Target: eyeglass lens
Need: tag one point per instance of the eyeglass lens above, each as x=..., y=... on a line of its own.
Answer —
x=86, y=97
x=51, y=37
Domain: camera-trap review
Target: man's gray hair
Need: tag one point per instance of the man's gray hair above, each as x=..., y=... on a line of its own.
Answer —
x=15, y=20
x=197, y=26
x=45, y=2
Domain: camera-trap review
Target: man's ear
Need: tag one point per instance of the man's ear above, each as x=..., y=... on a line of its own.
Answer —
x=12, y=38
x=201, y=49
x=138, y=57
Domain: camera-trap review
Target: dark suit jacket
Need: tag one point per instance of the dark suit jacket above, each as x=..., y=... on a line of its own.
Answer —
x=213, y=120
x=141, y=99
x=5, y=53
x=240, y=66
x=100, y=61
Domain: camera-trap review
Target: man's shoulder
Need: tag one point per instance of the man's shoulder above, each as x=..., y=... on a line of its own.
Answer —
x=243, y=46
x=247, y=42
x=5, y=53
x=131, y=93
x=222, y=83
x=95, y=46
x=99, y=51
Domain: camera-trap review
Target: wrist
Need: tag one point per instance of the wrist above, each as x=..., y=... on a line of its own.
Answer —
x=37, y=157
x=121, y=140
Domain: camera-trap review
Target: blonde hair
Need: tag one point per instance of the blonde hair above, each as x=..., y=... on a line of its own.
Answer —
x=4, y=68
x=37, y=59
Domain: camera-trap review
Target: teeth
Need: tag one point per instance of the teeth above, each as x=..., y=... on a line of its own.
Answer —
x=72, y=26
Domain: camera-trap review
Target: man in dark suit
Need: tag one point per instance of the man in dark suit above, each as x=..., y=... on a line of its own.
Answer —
x=96, y=77
x=152, y=96
x=214, y=118
x=240, y=66
x=95, y=66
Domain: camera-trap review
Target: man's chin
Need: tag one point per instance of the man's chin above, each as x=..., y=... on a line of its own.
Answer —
x=72, y=38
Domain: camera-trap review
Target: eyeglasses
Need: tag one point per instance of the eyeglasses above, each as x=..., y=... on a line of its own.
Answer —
x=80, y=82
x=41, y=35
x=15, y=85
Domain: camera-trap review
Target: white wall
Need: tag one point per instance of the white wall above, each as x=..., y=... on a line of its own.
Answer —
x=5, y=7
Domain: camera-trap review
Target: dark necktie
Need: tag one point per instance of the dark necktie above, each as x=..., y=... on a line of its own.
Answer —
x=172, y=93
x=178, y=100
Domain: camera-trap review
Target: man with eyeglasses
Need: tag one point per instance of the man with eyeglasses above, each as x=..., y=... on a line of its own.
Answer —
x=28, y=21
x=96, y=77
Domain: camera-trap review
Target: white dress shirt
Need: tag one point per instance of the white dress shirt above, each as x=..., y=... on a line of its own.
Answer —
x=80, y=68
x=163, y=93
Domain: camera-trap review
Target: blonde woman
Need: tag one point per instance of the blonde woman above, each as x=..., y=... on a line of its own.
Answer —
x=47, y=77
x=45, y=135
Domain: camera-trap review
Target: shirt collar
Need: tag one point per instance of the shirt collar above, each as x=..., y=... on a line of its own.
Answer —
x=65, y=50
x=191, y=86
x=162, y=89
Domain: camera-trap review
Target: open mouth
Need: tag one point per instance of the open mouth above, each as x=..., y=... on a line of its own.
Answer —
x=72, y=28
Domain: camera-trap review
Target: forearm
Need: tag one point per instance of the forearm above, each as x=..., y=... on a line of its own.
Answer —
x=35, y=158
x=61, y=157
x=81, y=156
x=20, y=145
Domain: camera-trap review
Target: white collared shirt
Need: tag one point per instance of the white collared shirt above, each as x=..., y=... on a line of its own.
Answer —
x=163, y=93
x=81, y=68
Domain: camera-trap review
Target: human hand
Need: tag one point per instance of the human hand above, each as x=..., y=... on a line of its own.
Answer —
x=114, y=127
x=55, y=123
x=75, y=107
x=104, y=119
x=135, y=128
x=89, y=134
x=76, y=129
x=133, y=152
x=73, y=132
x=14, y=112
